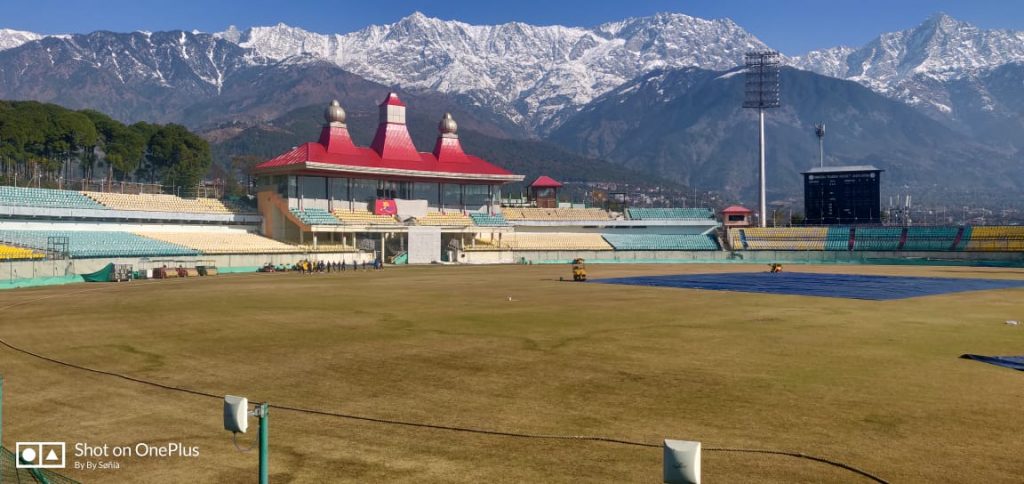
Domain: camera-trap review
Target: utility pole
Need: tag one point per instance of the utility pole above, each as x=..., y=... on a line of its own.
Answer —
x=236, y=421
x=263, y=412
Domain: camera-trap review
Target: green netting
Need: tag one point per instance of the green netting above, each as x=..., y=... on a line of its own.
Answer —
x=102, y=275
x=38, y=281
x=10, y=474
x=236, y=270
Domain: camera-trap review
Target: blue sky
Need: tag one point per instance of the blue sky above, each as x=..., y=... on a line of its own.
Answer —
x=792, y=26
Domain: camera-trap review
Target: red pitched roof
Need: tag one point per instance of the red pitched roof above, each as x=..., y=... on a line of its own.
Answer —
x=737, y=209
x=362, y=158
x=449, y=150
x=393, y=100
x=337, y=140
x=545, y=181
x=392, y=141
x=392, y=150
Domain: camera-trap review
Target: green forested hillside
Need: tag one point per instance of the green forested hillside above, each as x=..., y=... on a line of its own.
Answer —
x=47, y=144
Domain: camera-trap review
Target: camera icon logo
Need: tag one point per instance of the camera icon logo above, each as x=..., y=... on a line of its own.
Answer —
x=40, y=455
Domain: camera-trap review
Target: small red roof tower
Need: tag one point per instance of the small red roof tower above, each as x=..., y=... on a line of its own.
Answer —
x=392, y=140
x=737, y=216
x=334, y=135
x=545, y=192
x=448, y=149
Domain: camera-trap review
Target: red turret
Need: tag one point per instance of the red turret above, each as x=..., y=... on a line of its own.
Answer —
x=392, y=140
x=448, y=149
x=334, y=136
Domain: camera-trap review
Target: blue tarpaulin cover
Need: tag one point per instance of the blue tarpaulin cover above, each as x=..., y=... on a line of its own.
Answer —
x=1014, y=362
x=825, y=285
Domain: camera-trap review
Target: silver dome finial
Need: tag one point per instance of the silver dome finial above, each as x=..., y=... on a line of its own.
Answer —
x=447, y=125
x=334, y=113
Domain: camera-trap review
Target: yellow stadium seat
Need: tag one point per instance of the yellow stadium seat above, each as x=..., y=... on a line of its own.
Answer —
x=445, y=219
x=362, y=217
x=8, y=252
x=223, y=242
x=161, y=203
x=996, y=239
x=556, y=214
x=779, y=238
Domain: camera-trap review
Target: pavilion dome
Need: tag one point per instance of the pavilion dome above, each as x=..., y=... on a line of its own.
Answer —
x=334, y=113
x=447, y=125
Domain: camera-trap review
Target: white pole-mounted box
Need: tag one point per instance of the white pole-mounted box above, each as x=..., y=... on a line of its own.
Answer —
x=236, y=413
x=682, y=462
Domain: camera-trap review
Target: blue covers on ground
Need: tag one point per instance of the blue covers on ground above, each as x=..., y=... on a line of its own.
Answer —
x=1014, y=362
x=825, y=285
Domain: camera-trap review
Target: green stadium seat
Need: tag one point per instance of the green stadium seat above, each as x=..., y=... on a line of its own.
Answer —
x=930, y=238
x=485, y=220
x=837, y=238
x=878, y=238
x=86, y=244
x=316, y=216
x=670, y=213
x=46, y=198
x=661, y=242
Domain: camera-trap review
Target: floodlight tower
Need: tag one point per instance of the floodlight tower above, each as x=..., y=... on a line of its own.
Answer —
x=762, y=92
x=819, y=131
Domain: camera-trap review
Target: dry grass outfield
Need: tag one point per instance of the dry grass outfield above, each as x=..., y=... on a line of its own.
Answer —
x=874, y=384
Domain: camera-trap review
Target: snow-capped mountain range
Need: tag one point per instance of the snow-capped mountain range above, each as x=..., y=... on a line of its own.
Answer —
x=538, y=76
x=528, y=73
x=907, y=65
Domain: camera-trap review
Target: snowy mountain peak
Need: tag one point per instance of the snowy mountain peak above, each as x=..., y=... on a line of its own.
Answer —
x=231, y=34
x=916, y=65
x=10, y=38
x=941, y=47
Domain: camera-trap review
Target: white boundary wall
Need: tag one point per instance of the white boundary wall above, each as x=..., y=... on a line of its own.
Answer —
x=424, y=245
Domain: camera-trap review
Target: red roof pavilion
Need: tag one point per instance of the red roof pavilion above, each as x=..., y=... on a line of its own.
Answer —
x=391, y=154
x=736, y=209
x=545, y=181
